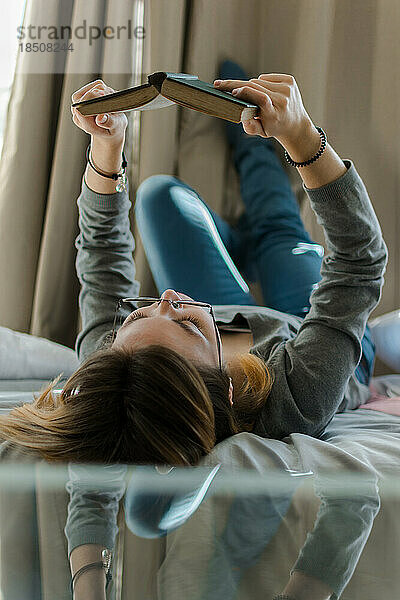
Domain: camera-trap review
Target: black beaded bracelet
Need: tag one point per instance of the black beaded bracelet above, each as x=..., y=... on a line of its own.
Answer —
x=316, y=156
x=121, y=185
x=282, y=597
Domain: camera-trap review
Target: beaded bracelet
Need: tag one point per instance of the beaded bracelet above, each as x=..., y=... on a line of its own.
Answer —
x=282, y=597
x=316, y=156
x=121, y=185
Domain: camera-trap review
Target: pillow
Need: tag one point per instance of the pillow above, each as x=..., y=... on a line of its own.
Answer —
x=25, y=356
x=385, y=331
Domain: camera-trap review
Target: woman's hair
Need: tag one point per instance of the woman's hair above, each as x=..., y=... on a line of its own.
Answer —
x=147, y=406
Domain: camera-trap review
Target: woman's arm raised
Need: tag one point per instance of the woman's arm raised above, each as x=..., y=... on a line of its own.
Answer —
x=106, y=272
x=316, y=365
x=104, y=263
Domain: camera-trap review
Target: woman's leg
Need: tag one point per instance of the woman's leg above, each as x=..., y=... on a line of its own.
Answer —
x=286, y=260
x=281, y=255
x=187, y=245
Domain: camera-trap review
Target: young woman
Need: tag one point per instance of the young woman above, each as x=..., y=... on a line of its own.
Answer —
x=163, y=390
x=167, y=384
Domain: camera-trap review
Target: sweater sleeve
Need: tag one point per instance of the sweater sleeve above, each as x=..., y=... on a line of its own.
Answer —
x=312, y=370
x=342, y=527
x=104, y=264
x=94, y=503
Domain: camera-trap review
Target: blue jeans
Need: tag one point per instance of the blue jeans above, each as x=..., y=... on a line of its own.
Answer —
x=191, y=249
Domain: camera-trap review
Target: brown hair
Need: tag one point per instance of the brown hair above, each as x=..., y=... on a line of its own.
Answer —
x=140, y=406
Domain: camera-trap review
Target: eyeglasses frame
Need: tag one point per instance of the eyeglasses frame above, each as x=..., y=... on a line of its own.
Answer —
x=174, y=304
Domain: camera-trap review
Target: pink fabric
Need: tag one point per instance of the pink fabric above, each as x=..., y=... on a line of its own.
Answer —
x=383, y=403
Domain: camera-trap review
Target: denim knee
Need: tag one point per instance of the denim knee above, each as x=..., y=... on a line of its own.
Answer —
x=153, y=193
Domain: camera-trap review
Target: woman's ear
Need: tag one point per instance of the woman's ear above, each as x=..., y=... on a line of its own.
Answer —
x=230, y=391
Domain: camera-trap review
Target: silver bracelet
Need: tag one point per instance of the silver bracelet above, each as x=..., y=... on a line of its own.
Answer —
x=104, y=564
x=119, y=177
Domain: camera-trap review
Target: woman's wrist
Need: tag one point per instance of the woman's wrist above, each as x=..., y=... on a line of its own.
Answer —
x=107, y=154
x=304, y=587
x=92, y=584
x=304, y=144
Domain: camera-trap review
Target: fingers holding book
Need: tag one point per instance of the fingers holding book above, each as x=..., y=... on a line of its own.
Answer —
x=268, y=106
x=282, y=113
x=78, y=94
x=110, y=126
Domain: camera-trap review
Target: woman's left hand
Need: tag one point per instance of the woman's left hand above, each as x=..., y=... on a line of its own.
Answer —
x=282, y=113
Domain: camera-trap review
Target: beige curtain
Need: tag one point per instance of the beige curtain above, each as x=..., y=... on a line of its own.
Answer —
x=343, y=54
x=42, y=165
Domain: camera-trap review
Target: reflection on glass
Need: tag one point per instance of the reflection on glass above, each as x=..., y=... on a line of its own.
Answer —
x=206, y=532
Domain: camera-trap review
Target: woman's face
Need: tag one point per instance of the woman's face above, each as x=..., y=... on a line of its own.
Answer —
x=188, y=330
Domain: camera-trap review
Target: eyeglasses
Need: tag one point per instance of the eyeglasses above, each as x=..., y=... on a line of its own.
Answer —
x=124, y=308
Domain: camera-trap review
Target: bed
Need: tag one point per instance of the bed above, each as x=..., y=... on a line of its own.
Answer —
x=203, y=559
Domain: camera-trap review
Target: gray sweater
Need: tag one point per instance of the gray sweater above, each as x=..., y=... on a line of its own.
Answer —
x=313, y=359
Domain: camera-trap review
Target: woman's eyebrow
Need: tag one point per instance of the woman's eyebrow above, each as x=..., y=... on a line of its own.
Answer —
x=187, y=328
x=132, y=321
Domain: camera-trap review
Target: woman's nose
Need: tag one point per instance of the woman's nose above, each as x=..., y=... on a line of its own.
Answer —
x=166, y=307
x=171, y=295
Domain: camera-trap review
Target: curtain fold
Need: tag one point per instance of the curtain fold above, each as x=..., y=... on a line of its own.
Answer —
x=55, y=312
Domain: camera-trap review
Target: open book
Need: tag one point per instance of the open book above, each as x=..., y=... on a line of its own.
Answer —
x=165, y=89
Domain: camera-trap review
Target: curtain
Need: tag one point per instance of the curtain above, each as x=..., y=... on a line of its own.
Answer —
x=343, y=54
x=42, y=164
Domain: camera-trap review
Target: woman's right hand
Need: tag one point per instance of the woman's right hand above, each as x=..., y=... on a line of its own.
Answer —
x=283, y=116
x=108, y=127
x=107, y=133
